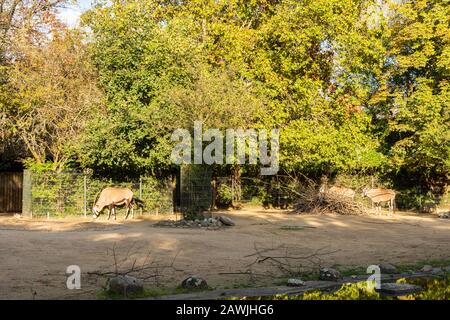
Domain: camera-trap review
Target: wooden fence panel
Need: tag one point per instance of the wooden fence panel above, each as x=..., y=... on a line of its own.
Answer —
x=11, y=186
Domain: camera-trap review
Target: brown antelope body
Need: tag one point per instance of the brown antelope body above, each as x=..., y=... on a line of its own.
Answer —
x=112, y=197
x=339, y=191
x=378, y=196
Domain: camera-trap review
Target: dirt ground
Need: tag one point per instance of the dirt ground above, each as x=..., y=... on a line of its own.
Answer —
x=34, y=254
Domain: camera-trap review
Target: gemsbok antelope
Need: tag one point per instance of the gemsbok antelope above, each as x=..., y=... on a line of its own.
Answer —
x=378, y=196
x=113, y=197
x=338, y=191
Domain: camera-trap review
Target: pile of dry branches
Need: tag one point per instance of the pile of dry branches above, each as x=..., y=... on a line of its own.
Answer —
x=308, y=199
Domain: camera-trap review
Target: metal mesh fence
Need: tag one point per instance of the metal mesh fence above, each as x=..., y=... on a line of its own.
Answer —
x=256, y=191
x=74, y=193
x=196, y=190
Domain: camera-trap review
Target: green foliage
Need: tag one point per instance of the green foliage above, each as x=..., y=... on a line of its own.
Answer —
x=196, y=190
x=224, y=196
x=414, y=198
x=354, y=291
x=434, y=289
x=355, y=87
x=412, y=104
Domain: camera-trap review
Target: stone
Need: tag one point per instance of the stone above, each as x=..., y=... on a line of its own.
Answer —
x=205, y=223
x=398, y=289
x=444, y=215
x=218, y=223
x=437, y=271
x=429, y=208
x=194, y=282
x=329, y=274
x=226, y=221
x=427, y=268
x=446, y=269
x=295, y=283
x=388, y=268
x=126, y=285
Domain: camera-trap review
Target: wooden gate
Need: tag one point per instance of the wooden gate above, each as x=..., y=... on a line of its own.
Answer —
x=11, y=186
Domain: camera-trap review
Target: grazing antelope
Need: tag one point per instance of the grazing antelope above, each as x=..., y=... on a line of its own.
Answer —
x=338, y=191
x=377, y=196
x=111, y=198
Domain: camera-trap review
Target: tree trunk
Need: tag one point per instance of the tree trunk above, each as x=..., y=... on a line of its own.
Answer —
x=236, y=185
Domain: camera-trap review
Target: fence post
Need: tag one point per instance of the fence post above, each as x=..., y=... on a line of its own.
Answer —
x=27, y=198
x=140, y=193
x=85, y=194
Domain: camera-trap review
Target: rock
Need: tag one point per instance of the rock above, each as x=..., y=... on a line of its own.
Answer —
x=426, y=268
x=194, y=282
x=226, y=221
x=295, y=283
x=125, y=285
x=205, y=223
x=329, y=274
x=388, y=268
x=437, y=271
x=429, y=208
x=398, y=289
x=444, y=215
x=218, y=223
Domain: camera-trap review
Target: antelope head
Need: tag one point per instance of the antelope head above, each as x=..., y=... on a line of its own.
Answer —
x=364, y=191
x=96, y=211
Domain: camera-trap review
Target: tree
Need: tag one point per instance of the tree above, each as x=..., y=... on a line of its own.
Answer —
x=157, y=79
x=53, y=92
x=412, y=104
x=314, y=61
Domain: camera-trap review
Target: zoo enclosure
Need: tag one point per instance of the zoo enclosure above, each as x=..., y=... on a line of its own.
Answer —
x=74, y=193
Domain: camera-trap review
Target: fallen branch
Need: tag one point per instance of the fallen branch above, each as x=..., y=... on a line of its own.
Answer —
x=287, y=262
x=148, y=269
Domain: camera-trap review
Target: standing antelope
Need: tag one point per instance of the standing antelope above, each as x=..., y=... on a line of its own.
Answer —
x=115, y=197
x=377, y=196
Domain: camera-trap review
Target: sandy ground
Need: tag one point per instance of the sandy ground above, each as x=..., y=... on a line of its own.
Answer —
x=34, y=254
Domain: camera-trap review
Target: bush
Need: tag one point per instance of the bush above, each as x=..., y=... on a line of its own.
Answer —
x=224, y=197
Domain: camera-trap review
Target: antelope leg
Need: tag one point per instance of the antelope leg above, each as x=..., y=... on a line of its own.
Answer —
x=127, y=205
